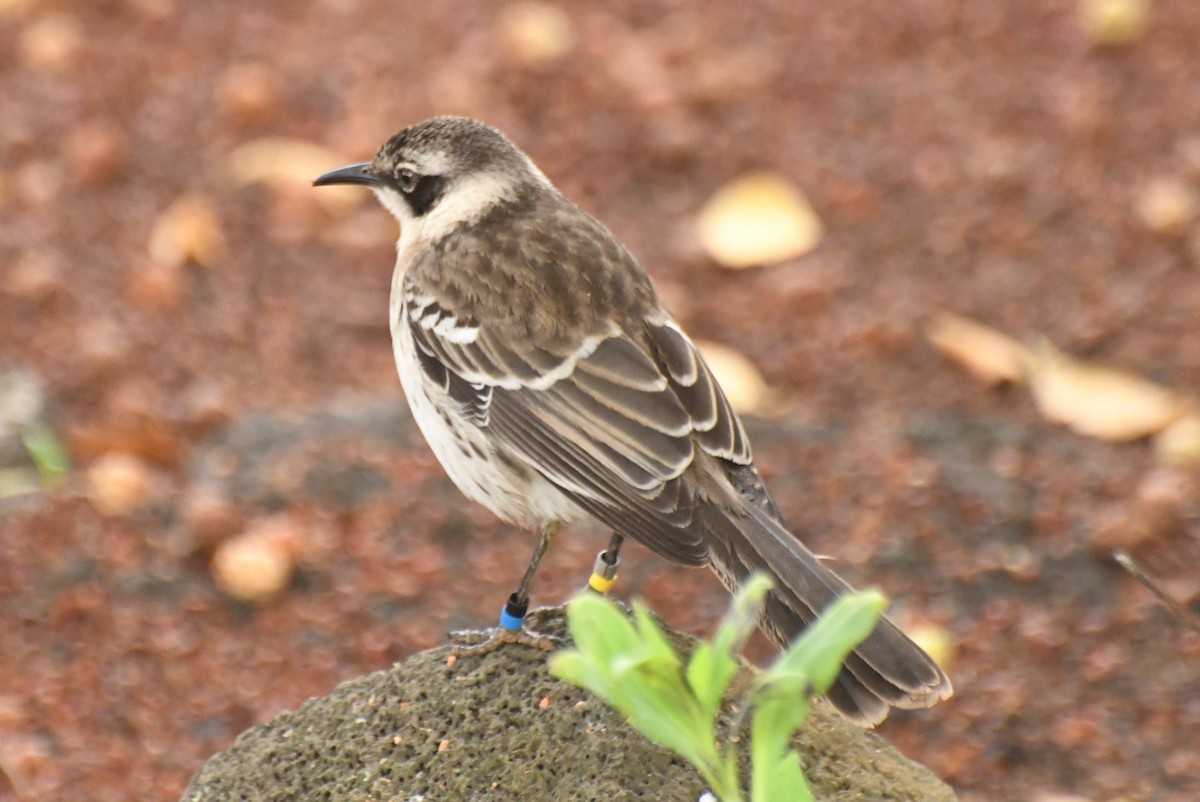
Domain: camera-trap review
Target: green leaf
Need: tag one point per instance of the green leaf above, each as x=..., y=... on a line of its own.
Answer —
x=820, y=651
x=743, y=613
x=771, y=730
x=669, y=717
x=713, y=666
x=781, y=695
x=785, y=682
x=46, y=450
x=599, y=628
x=569, y=665
x=634, y=669
x=780, y=781
x=707, y=677
x=655, y=642
x=774, y=765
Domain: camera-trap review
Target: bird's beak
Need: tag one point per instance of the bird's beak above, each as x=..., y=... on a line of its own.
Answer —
x=361, y=173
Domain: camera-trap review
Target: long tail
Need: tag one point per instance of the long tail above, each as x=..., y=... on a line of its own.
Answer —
x=886, y=670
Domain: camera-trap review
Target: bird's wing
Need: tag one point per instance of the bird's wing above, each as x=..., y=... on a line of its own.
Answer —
x=616, y=423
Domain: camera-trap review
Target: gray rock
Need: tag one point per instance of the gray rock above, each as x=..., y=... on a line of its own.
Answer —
x=479, y=730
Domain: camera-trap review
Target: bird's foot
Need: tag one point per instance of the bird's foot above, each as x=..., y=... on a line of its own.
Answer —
x=512, y=629
x=479, y=642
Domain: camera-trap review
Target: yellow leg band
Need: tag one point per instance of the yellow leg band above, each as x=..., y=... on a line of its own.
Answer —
x=601, y=584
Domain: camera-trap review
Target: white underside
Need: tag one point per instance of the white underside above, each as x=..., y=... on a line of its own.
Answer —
x=526, y=501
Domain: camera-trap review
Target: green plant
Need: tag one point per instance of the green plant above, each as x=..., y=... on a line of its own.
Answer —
x=632, y=667
x=46, y=451
x=49, y=458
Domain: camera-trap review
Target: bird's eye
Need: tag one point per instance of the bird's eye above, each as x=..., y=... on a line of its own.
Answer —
x=407, y=179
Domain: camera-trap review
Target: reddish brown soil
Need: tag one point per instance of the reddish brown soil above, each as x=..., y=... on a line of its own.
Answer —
x=976, y=156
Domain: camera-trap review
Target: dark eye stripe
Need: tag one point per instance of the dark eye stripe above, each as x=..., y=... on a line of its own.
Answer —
x=425, y=194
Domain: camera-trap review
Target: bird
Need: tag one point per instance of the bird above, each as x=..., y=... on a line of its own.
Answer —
x=552, y=384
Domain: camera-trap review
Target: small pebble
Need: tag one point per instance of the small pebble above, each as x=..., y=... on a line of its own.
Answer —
x=535, y=33
x=1114, y=23
x=257, y=564
x=118, y=484
x=51, y=42
x=1167, y=205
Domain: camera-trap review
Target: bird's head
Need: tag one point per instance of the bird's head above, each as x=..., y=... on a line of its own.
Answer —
x=442, y=173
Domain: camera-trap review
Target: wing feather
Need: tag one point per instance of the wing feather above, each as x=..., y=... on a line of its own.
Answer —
x=715, y=425
x=615, y=424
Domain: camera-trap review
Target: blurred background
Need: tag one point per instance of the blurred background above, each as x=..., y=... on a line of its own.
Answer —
x=966, y=340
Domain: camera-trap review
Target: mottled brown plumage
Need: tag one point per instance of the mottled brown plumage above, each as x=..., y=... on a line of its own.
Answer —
x=551, y=384
x=529, y=290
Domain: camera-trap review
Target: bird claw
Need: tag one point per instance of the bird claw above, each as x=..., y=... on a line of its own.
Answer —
x=479, y=642
x=485, y=641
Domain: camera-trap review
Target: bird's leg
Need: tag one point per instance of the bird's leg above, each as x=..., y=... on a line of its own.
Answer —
x=511, y=618
x=521, y=597
x=604, y=572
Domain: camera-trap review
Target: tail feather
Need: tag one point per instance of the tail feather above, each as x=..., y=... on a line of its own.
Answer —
x=886, y=670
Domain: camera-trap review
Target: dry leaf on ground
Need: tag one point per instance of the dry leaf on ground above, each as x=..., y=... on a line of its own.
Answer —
x=1179, y=443
x=758, y=219
x=937, y=641
x=289, y=164
x=1114, y=22
x=1099, y=401
x=189, y=230
x=744, y=386
x=990, y=355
